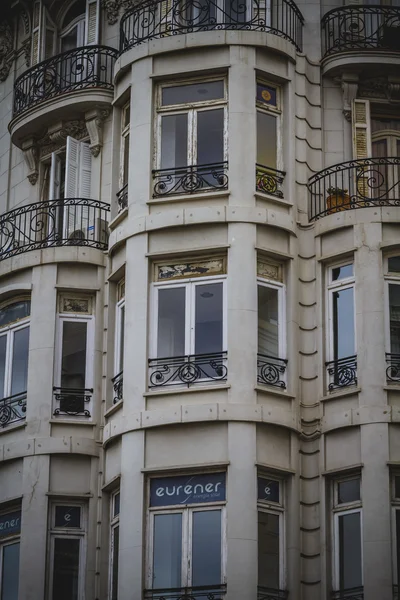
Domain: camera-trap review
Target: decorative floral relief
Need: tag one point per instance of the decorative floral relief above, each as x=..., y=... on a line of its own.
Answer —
x=195, y=269
x=112, y=8
x=6, y=50
x=268, y=270
x=75, y=305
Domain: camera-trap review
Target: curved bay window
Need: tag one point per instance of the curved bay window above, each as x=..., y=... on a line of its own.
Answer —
x=14, y=352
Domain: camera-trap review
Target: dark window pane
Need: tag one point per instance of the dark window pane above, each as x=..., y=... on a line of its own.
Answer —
x=343, y=323
x=121, y=339
x=398, y=545
x=210, y=136
x=209, y=318
x=268, y=489
x=350, y=551
x=394, y=264
x=67, y=516
x=66, y=569
x=394, y=312
x=268, y=340
x=115, y=553
x=171, y=322
x=14, y=312
x=266, y=94
x=3, y=347
x=10, y=572
x=266, y=139
x=206, y=550
x=117, y=499
x=19, y=374
x=342, y=272
x=397, y=487
x=73, y=361
x=194, y=92
x=268, y=550
x=174, y=139
x=348, y=491
x=167, y=551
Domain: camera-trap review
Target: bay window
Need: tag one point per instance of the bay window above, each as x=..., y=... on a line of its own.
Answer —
x=186, y=534
x=191, y=148
x=269, y=174
x=14, y=355
x=10, y=528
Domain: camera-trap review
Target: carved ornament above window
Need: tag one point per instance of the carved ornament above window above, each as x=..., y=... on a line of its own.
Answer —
x=200, y=268
x=6, y=50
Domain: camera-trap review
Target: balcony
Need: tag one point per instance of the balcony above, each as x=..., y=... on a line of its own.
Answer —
x=342, y=372
x=393, y=368
x=67, y=222
x=161, y=18
x=361, y=28
x=271, y=370
x=118, y=387
x=192, y=179
x=264, y=593
x=351, y=594
x=187, y=370
x=122, y=198
x=72, y=402
x=366, y=183
x=12, y=409
x=269, y=181
x=215, y=592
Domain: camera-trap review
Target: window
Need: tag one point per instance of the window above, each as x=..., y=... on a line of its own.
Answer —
x=396, y=527
x=114, y=545
x=392, y=314
x=347, y=537
x=341, y=326
x=269, y=174
x=74, y=364
x=191, y=148
x=186, y=532
x=124, y=158
x=270, y=534
x=14, y=356
x=67, y=551
x=189, y=322
x=119, y=342
x=10, y=528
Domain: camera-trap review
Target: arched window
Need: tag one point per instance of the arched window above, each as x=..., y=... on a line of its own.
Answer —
x=72, y=34
x=14, y=347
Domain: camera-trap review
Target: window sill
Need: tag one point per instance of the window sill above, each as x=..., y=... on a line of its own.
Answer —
x=177, y=390
x=269, y=389
x=72, y=421
x=281, y=201
x=12, y=427
x=395, y=387
x=117, y=220
x=350, y=391
x=113, y=409
x=188, y=197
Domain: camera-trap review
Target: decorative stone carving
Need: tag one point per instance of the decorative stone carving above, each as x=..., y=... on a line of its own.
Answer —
x=385, y=88
x=6, y=50
x=75, y=304
x=112, y=8
x=30, y=151
x=56, y=136
x=26, y=49
x=210, y=266
x=349, y=90
x=94, y=125
x=269, y=270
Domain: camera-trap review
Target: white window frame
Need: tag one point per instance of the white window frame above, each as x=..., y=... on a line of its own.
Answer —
x=8, y=541
x=190, y=299
x=340, y=510
x=191, y=109
x=186, y=547
x=114, y=523
x=390, y=278
x=119, y=336
x=276, y=508
x=75, y=318
x=277, y=112
x=68, y=533
x=9, y=332
x=334, y=286
x=281, y=288
x=125, y=137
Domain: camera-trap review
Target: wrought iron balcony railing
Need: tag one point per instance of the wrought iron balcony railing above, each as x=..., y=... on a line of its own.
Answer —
x=68, y=222
x=369, y=182
x=72, y=401
x=12, y=409
x=118, y=386
x=351, y=594
x=190, y=180
x=122, y=198
x=78, y=69
x=342, y=372
x=160, y=18
x=188, y=370
x=265, y=593
x=215, y=592
x=271, y=370
x=363, y=27
x=393, y=368
x=269, y=180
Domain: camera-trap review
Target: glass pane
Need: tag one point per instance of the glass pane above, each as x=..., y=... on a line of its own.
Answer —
x=126, y=159
x=266, y=94
x=117, y=504
x=67, y=516
x=70, y=40
x=73, y=360
x=167, y=551
x=121, y=338
x=397, y=488
x=194, y=92
x=268, y=550
x=348, y=491
x=210, y=136
x=3, y=347
x=394, y=264
x=235, y=11
x=398, y=545
x=350, y=551
x=14, y=312
x=266, y=140
x=171, y=322
x=66, y=569
x=343, y=324
x=208, y=318
x=20, y=358
x=206, y=550
x=174, y=134
x=394, y=316
x=10, y=572
x=342, y=272
x=115, y=552
x=268, y=339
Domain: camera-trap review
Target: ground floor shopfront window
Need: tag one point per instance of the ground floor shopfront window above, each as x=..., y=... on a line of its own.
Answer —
x=10, y=528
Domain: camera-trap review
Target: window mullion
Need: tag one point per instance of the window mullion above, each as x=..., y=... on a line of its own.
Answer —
x=190, y=290
x=8, y=365
x=187, y=567
x=192, y=137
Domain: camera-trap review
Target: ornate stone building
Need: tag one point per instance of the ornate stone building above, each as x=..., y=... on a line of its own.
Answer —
x=199, y=300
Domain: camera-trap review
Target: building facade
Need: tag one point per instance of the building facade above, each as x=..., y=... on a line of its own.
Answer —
x=199, y=300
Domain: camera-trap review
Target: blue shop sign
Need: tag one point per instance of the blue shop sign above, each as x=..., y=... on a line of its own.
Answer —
x=268, y=489
x=10, y=524
x=187, y=489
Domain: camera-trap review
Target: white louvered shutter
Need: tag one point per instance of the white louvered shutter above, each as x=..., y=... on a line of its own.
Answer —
x=37, y=23
x=84, y=185
x=92, y=22
x=55, y=177
x=361, y=124
x=72, y=220
x=165, y=7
